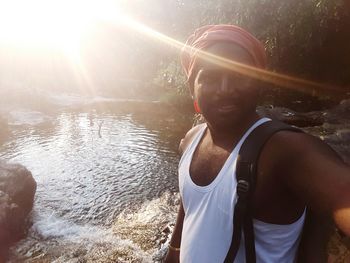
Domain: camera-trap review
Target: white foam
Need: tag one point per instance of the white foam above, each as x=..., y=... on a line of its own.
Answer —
x=51, y=226
x=66, y=232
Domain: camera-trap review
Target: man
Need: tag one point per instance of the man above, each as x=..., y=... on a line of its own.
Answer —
x=295, y=170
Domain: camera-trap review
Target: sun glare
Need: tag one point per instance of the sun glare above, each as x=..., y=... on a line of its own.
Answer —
x=50, y=24
x=60, y=25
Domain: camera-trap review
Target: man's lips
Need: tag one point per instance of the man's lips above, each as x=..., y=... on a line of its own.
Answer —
x=226, y=108
x=226, y=105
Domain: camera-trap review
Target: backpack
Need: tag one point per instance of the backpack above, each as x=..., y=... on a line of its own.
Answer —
x=246, y=169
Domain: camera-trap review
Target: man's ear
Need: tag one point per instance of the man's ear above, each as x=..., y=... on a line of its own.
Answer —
x=261, y=92
x=262, y=88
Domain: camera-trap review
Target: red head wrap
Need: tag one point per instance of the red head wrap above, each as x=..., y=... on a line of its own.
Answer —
x=206, y=36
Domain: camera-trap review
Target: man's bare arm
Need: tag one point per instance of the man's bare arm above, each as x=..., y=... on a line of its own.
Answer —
x=319, y=176
x=172, y=255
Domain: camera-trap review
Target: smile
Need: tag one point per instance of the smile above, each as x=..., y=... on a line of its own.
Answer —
x=226, y=108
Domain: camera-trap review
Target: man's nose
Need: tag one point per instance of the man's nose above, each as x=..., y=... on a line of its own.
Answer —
x=224, y=84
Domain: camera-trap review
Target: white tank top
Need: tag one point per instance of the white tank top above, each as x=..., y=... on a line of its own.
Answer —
x=207, y=228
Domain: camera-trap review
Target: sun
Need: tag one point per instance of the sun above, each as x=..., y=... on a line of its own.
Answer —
x=51, y=24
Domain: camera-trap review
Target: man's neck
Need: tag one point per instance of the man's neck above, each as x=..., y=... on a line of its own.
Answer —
x=228, y=137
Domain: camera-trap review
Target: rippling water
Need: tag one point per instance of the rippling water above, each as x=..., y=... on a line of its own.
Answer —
x=91, y=163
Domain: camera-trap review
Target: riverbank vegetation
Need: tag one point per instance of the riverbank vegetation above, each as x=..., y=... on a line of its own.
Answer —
x=308, y=39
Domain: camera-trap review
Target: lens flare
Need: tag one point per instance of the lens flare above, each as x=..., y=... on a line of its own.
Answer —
x=282, y=80
x=61, y=24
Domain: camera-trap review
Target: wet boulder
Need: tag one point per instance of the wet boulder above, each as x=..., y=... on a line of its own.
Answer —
x=300, y=119
x=17, y=189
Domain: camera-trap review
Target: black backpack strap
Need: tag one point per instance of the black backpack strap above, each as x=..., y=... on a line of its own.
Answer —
x=246, y=169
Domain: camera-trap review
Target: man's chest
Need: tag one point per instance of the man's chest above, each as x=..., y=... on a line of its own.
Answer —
x=206, y=164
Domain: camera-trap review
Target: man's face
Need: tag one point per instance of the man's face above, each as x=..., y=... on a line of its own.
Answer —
x=225, y=97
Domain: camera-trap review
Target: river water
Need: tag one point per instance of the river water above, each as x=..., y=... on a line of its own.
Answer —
x=106, y=175
x=106, y=171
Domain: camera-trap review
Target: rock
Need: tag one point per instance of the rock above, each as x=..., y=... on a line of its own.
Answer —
x=17, y=189
x=300, y=119
x=338, y=114
x=167, y=229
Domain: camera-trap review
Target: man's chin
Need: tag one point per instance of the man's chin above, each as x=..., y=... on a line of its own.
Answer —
x=224, y=122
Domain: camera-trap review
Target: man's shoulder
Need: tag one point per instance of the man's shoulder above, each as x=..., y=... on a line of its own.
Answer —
x=184, y=143
x=290, y=144
x=293, y=155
